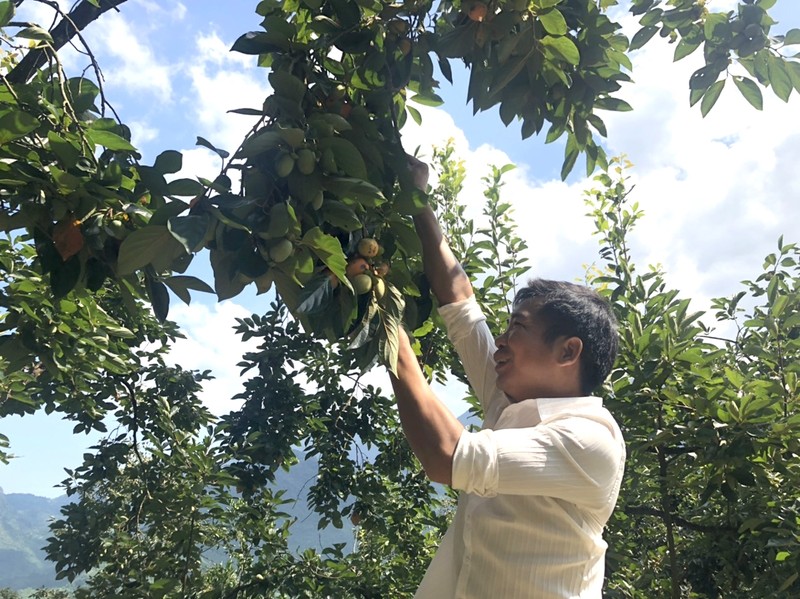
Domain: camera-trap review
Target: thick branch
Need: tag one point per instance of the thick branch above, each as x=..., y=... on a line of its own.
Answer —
x=77, y=20
x=643, y=510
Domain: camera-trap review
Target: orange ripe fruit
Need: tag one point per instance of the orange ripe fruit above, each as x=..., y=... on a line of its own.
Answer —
x=67, y=238
x=356, y=266
x=478, y=11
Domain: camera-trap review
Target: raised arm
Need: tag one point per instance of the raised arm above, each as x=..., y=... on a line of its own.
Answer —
x=448, y=280
x=430, y=428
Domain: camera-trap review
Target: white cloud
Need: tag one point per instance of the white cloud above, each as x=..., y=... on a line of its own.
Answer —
x=212, y=344
x=177, y=11
x=716, y=192
x=129, y=61
x=142, y=132
x=223, y=81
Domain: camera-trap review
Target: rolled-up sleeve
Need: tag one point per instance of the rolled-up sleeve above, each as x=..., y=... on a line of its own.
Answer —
x=467, y=330
x=573, y=458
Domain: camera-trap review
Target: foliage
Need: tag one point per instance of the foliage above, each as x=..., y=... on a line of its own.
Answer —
x=709, y=506
x=174, y=505
x=323, y=166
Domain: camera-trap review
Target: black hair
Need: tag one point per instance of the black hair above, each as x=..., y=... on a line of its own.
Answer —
x=576, y=311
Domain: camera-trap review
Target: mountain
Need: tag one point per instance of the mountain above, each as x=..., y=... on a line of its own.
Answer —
x=24, y=520
x=24, y=523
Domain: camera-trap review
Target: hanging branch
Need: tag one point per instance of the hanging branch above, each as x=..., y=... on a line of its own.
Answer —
x=71, y=25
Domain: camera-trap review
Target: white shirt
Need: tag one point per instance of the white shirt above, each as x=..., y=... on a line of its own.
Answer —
x=538, y=484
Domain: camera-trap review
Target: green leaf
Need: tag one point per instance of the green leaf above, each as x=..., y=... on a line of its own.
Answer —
x=82, y=93
x=553, y=22
x=35, y=33
x=357, y=190
x=261, y=142
x=66, y=152
x=6, y=12
x=792, y=37
x=348, y=158
x=202, y=141
x=391, y=317
x=168, y=162
x=316, y=295
x=414, y=114
x=259, y=42
x=340, y=215
x=571, y=153
x=794, y=74
x=15, y=124
x=563, y=48
x=750, y=91
x=185, y=187
x=425, y=99
x=109, y=140
x=642, y=36
x=609, y=103
x=226, y=284
x=64, y=278
x=189, y=230
x=287, y=85
x=141, y=247
x=711, y=96
x=779, y=78
x=704, y=77
x=181, y=284
x=159, y=297
x=328, y=249
x=685, y=48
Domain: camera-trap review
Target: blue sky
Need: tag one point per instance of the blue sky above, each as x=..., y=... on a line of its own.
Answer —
x=717, y=192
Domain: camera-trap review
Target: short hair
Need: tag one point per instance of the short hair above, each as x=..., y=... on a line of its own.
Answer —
x=574, y=310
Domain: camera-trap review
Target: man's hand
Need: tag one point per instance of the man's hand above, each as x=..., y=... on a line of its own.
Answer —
x=419, y=172
x=448, y=280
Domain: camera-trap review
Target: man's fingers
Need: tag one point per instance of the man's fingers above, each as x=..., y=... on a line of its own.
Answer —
x=419, y=171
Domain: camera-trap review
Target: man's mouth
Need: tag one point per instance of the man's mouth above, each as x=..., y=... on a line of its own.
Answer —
x=499, y=362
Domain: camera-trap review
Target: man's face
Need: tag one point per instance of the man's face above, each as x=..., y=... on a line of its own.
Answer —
x=527, y=366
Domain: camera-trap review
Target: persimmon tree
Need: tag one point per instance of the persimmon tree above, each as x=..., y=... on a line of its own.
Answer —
x=323, y=167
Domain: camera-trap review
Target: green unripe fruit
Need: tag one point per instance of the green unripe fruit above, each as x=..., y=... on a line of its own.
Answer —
x=279, y=221
x=316, y=203
x=379, y=288
x=362, y=284
x=281, y=251
x=117, y=229
x=284, y=165
x=368, y=247
x=328, y=161
x=306, y=161
x=293, y=136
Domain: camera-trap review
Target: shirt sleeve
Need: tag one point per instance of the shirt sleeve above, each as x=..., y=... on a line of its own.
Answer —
x=575, y=458
x=467, y=330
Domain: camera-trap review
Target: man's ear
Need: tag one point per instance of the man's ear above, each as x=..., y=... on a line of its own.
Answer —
x=571, y=349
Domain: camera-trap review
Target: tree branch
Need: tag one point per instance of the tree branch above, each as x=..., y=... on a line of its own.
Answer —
x=643, y=510
x=76, y=21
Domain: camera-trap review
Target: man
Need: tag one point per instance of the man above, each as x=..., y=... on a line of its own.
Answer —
x=540, y=480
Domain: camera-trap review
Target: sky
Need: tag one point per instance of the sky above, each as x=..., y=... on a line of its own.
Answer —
x=716, y=192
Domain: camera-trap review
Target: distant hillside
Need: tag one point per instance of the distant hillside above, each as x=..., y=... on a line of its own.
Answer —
x=23, y=529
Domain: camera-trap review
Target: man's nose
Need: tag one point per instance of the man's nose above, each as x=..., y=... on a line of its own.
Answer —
x=501, y=340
